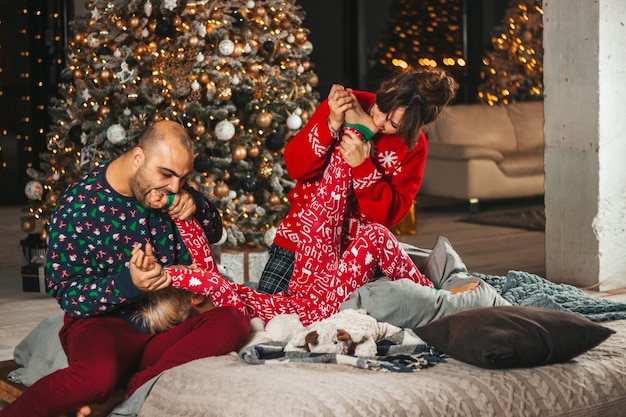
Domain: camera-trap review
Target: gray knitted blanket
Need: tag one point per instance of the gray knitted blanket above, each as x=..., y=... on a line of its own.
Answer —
x=523, y=288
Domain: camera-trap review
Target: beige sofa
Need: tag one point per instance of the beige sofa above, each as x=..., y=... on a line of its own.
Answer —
x=479, y=152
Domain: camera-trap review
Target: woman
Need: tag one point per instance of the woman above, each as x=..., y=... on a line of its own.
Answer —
x=386, y=170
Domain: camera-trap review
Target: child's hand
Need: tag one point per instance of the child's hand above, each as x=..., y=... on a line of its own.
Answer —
x=145, y=272
x=144, y=261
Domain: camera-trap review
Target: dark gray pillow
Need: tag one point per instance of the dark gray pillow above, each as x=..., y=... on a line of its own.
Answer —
x=513, y=336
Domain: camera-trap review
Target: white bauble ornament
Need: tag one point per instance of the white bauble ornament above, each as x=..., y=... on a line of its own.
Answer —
x=116, y=134
x=147, y=8
x=33, y=190
x=269, y=236
x=225, y=130
x=250, y=4
x=294, y=122
x=56, y=176
x=226, y=47
x=195, y=85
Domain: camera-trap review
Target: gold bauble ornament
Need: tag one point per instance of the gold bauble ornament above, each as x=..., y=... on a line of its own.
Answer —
x=314, y=80
x=79, y=74
x=274, y=200
x=249, y=199
x=180, y=56
x=281, y=15
x=264, y=119
x=282, y=50
x=134, y=22
x=238, y=50
x=52, y=198
x=80, y=37
x=28, y=224
x=253, y=151
x=177, y=21
x=120, y=24
x=239, y=152
x=221, y=190
x=204, y=78
x=193, y=41
x=226, y=176
x=260, y=11
x=265, y=170
x=285, y=24
x=199, y=129
x=300, y=37
x=224, y=93
x=103, y=111
x=105, y=75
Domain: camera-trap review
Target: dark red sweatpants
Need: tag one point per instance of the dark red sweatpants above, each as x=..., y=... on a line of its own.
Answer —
x=102, y=351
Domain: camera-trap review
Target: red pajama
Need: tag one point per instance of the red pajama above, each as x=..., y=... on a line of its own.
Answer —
x=324, y=274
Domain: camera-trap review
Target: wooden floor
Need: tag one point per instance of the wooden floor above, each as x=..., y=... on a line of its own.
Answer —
x=486, y=249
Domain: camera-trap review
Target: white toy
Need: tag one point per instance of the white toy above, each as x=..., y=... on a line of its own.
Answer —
x=342, y=331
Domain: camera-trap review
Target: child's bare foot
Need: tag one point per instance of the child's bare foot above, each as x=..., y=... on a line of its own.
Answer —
x=470, y=286
x=357, y=119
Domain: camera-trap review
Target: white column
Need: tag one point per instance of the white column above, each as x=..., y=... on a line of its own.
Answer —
x=585, y=142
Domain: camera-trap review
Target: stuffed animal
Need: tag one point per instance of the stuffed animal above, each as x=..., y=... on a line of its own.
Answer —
x=340, y=332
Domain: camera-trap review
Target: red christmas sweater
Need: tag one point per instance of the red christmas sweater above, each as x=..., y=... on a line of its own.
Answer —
x=384, y=185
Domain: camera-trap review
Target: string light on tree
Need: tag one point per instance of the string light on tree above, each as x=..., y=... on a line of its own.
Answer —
x=421, y=33
x=513, y=68
x=232, y=72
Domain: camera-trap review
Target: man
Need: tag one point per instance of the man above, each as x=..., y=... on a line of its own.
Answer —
x=97, y=224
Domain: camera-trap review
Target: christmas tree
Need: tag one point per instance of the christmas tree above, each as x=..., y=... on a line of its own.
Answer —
x=235, y=73
x=514, y=67
x=421, y=33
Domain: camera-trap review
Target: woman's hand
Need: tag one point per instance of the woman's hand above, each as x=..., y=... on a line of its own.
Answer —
x=339, y=100
x=353, y=149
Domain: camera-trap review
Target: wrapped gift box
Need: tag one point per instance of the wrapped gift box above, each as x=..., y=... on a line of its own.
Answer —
x=407, y=225
x=33, y=278
x=243, y=265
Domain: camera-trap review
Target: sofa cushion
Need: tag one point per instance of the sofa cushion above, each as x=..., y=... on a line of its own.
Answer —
x=474, y=124
x=527, y=119
x=522, y=163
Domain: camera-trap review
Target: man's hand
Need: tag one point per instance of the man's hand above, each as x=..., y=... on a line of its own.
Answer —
x=353, y=149
x=145, y=272
x=183, y=206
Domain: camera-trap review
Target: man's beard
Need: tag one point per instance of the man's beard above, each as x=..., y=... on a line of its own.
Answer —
x=140, y=189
